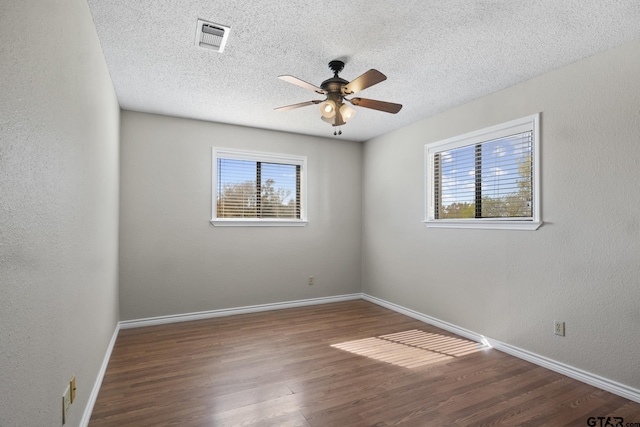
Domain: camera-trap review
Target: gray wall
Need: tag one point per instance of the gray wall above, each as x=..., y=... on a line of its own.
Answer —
x=59, y=155
x=172, y=260
x=58, y=209
x=582, y=266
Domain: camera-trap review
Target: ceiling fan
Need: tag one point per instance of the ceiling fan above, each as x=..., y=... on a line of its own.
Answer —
x=334, y=108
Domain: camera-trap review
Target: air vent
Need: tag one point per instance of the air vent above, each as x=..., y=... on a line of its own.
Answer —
x=211, y=36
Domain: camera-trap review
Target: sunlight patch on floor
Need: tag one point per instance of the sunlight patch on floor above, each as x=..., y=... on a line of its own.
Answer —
x=411, y=349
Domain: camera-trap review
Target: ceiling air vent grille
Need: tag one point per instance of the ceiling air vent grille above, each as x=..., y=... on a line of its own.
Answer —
x=211, y=36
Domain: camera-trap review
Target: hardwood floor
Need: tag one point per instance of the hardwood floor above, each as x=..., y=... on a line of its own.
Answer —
x=343, y=364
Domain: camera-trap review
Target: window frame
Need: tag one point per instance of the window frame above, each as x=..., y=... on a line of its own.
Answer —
x=524, y=124
x=265, y=157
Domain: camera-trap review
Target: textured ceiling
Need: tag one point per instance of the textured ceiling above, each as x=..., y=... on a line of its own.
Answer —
x=436, y=54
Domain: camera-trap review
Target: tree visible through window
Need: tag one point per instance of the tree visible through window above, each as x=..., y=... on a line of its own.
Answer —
x=485, y=179
x=489, y=180
x=252, y=188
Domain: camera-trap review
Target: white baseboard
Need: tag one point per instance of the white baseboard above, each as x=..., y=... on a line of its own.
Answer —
x=426, y=319
x=575, y=373
x=128, y=324
x=86, y=416
x=160, y=320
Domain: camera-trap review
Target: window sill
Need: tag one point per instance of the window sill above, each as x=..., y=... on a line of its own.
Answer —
x=258, y=222
x=486, y=225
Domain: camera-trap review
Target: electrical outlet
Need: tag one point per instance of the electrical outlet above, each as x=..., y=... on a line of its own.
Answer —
x=66, y=404
x=72, y=385
x=310, y=280
x=558, y=328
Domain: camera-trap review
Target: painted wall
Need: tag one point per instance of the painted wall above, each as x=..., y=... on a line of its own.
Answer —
x=59, y=122
x=173, y=261
x=582, y=266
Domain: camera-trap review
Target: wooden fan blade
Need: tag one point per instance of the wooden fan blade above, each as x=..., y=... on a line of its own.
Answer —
x=294, y=106
x=387, y=107
x=296, y=81
x=366, y=80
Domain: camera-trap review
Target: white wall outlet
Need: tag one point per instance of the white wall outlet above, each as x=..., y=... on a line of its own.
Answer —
x=66, y=404
x=310, y=280
x=558, y=328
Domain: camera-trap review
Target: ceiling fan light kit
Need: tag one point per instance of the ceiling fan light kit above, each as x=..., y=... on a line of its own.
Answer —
x=328, y=109
x=347, y=112
x=334, y=108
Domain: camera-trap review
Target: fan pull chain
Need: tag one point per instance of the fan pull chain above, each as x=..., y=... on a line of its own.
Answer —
x=339, y=132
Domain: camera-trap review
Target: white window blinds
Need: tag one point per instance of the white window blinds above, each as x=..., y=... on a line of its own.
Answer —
x=488, y=178
x=255, y=188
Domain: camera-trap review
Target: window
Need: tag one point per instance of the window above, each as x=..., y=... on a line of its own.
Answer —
x=485, y=179
x=253, y=188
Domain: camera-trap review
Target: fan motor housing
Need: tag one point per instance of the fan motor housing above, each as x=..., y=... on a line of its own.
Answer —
x=333, y=85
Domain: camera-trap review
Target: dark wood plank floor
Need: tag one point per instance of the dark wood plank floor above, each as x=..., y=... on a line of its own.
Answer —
x=344, y=364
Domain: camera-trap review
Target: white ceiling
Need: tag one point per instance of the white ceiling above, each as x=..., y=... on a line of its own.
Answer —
x=436, y=54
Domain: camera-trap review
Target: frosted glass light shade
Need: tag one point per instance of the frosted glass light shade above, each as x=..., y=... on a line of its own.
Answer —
x=347, y=112
x=328, y=109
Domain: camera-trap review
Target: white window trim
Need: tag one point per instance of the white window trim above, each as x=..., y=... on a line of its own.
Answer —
x=229, y=153
x=523, y=124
